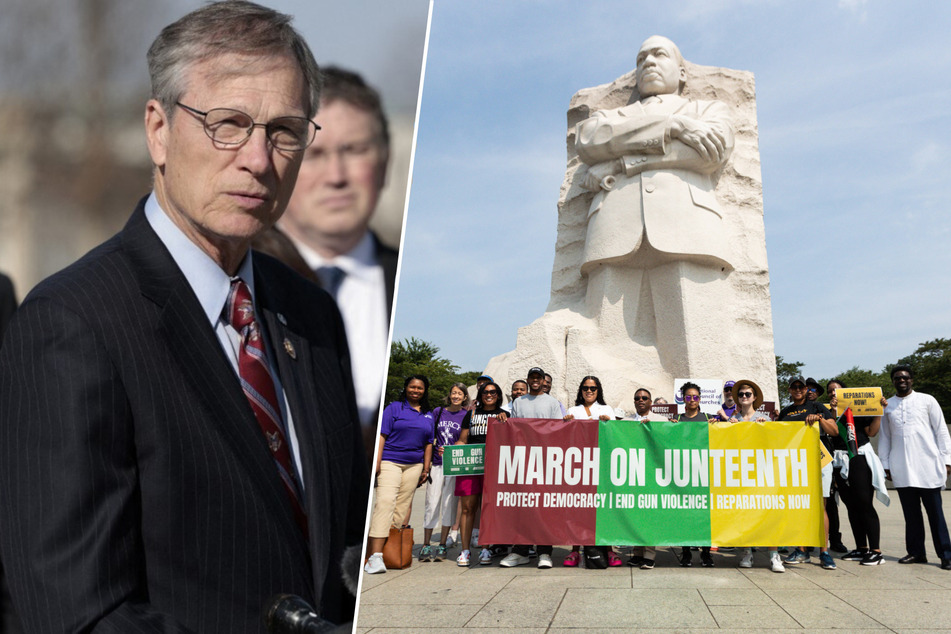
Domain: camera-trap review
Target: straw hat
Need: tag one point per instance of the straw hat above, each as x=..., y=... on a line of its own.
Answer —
x=757, y=393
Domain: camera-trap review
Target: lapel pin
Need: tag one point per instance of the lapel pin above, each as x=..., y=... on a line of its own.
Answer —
x=281, y=318
x=289, y=348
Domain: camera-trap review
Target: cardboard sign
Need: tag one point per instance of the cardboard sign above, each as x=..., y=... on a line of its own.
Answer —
x=711, y=393
x=667, y=410
x=463, y=460
x=864, y=401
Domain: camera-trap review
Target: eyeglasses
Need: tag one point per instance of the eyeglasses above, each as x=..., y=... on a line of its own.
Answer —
x=589, y=388
x=642, y=398
x=691, y=397
x=233, y=127
x=744, y=394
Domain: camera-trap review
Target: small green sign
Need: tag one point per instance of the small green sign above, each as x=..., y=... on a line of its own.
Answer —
x=463, y=460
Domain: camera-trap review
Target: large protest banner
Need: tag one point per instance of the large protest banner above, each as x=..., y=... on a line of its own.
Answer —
x=652, y=484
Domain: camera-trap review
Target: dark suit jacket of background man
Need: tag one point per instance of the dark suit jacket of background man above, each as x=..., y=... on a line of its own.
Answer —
x=8, y=303
x=136, y=484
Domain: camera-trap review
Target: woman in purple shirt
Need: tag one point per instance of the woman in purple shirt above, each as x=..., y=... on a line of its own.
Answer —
x=403, y=461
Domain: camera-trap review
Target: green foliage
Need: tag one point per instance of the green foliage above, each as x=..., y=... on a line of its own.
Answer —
x=931, y=363
x=785, y=370
x=414, y=356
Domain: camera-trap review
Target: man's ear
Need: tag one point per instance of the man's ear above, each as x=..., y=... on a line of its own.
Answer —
x=156, y=132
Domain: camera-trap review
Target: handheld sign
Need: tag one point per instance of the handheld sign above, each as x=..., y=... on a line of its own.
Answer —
x=463, y=460
x=864, y=401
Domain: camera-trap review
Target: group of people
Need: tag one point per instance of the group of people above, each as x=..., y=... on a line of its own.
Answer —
x=915, y=454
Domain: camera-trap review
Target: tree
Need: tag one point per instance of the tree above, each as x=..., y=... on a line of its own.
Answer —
x=414, y=356
x=786, y=370
x=931, y=364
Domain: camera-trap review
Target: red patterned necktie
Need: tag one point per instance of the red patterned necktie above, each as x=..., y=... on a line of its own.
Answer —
x=258, y=386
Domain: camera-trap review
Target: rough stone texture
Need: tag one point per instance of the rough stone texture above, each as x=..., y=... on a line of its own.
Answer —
x=570, y=344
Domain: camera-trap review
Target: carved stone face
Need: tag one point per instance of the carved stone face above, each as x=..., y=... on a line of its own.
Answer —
x=660, y=69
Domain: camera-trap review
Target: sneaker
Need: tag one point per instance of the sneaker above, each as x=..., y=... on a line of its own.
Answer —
x=838, y=547
x=798, y=557
x=747, y=559
x=706, y=559
x=685, y=559
x=873, y=559
x=531, y=552
x=544, y=561
x=826, y=561
x=426, y=553
x=485, y=557
x=463, y=559
x=513, y=559
x=499, y=550
x=453, y=537
x=647, y=564
x=854, y=555
x=776, y=563
x=635, y=561
x=440, y=553
x=375, y=564
x=572, y=560
x=613, y=559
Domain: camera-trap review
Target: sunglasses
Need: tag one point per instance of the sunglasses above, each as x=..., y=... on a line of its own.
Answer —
x=642, y=398
x=490, y=393
x=589, y=388
x=744, y=394
x=812, y=389
x=691, y=397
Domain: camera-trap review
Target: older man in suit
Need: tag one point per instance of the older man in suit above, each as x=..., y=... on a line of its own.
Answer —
x=179, y=440
x=655, y=234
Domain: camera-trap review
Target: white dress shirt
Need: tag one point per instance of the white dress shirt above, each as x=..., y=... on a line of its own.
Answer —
x=914, y=443
x=212, y=287
x=579, y=413
x=362, y=302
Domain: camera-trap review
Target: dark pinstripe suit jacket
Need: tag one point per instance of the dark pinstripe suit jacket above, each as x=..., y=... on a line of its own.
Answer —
x=137, y=491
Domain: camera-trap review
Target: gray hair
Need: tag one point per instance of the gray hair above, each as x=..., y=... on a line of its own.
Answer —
x=220, y=28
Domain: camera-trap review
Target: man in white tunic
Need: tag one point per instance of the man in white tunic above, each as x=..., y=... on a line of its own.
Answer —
x=915, y=449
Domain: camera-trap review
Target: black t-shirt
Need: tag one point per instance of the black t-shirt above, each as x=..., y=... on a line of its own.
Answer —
x=477, y=422
x=800, y=412
x=861, y=433
x=699, y=418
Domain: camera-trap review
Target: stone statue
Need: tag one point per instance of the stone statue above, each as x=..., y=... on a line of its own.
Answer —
x=654, y=276
x=655, y=221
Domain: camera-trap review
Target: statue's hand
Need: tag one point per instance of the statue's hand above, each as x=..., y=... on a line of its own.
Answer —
x=702, y=137
x=597, y=173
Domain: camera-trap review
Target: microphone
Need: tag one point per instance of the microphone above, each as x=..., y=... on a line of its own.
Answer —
x=290, y=614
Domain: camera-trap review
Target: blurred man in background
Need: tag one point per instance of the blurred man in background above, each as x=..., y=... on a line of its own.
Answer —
x=328, y=218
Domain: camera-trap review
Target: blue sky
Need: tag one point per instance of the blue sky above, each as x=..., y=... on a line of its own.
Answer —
x=854, y=112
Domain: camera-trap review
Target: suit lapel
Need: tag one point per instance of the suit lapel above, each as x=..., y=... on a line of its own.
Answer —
x=201, y=360
x=295, y=363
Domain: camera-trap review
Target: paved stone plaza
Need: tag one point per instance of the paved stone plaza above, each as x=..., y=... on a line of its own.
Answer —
x=435, y=597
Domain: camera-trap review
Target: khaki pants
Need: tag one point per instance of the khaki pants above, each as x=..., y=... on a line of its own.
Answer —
x=394, y=491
